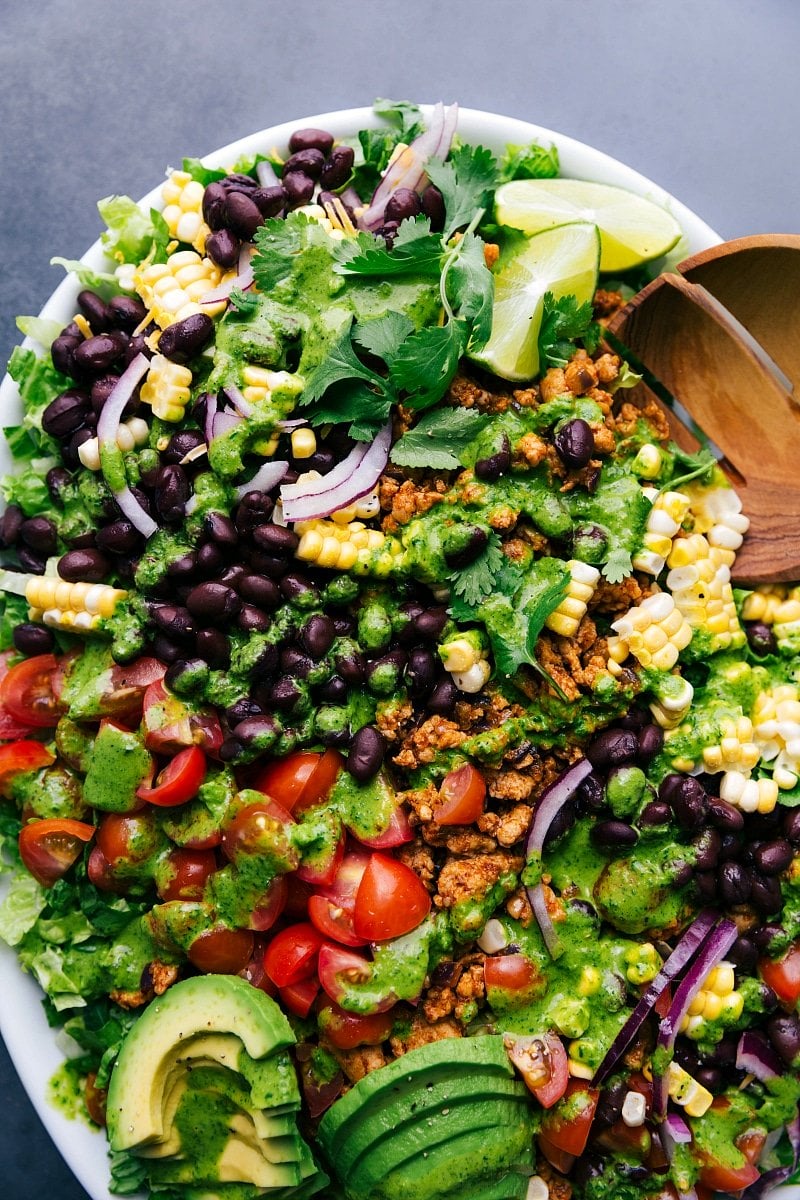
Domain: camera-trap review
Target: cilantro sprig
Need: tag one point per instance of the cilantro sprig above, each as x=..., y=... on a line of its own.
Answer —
x=439, y=439
x=564, y=321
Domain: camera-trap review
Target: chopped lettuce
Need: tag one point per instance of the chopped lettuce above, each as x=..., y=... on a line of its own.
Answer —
x=40, y=329
x=105, y=283
x=13, y=611
x=28, y=489
x=24, y=902
x=132, y=235
x=529, y=162
x=39, y=382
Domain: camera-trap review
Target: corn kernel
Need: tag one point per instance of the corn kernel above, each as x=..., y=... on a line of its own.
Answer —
x=172, y=290
x=166, y=388
x=304, y=443
x=648, y=461
x=589, y=982
x=565, y=619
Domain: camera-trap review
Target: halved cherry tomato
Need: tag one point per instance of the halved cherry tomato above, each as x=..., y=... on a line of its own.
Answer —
x=50, y=847
x=557, y=1158
x=129, y=837
x=567, y=1126
x=179, y=781
x=95, y=1099
x=101, y=873
x=298, y=997
x=291, y=956
x=346, y=1030
x=270, y=906
x=300, y=780
x=391, y=900
x=186, y=873
x=253, y=826
x=334, y=919
x=632, y=1141
x=338, y=968
x=461, y=797
x=125, y=688
x=751, y=1144
x=298, y=895
x=721, y=1178
x=348, y=878
x=170, y=725
x=10, y=728
x=542, y=1062
x=783, y=976
x=397, y=833
x=221, y=951
x=321, y=870
x=509, y=972
x=16, y=758
x=26, y=692
x=254, y=972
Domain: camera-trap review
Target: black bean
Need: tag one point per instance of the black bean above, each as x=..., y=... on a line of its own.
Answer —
x=784, y=1034
x=420, y=674
x=657, y=812
x=185, y=675
x=241, y=710
x=181, y=444
x=101, y=389
x=258, y=589
x=724, y=815
x=136, y=346
x=338, y=168
x=495, y=465
x=317, y=635
x=766, y=894
x=708, y=845
x=743, y=953
x=352, y=667
x=730, y=847
x=706, y=882
x=233, y=576
x=265, y=664
x=309, y=161
x=127, y=312
x=433, y=207
x=120, y=537
x=171, y=492
x=689, y=802
x=285, y=694
x=682, y=873
x=366, y=754
x=710, y=1078
x=294, y=662
x=72, y=331
x=184, y=339
x=174, y=620
x=252, y=619
x=40, y=534
x=56, y=479
x=612, y=747
x=299, y=188
x=95, y=310
x=735, y=883
x=443, y=698
x=252, y=510
x=431, y=622
x=165, y=649
x=614, y=833
x=651, y=740
x=33, y=639
x=214, y=209
x=383, y=674
x=275, y=539
x=223, y=248
x=765, y=935
x=403, y=203
x=772, y=858
x=83, y=566
x=243, y=215
x=473, y=543
x=62, y=353
x=259, y=733
x=209, y=559
x=591, y=793
x=344, y=625
x=30, y=560
x=791, y=826
x=211, y=601
x=66, y=414
x=574, y=443
x=309, y=138
x=562, y=821
x=96, y=354
x=760, y=638
x=214, y=647
x=239, y=182
x=270, y=200
x=10, y=524
x=183, y=568
x=296, y=586
x=220, y=529
x=589, y=543
x=334, y=691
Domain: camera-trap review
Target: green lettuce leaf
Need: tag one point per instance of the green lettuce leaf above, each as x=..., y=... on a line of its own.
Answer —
x=21, y=908
x=131, y=233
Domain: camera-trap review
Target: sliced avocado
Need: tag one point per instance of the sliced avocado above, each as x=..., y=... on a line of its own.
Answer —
x=451, y=1056
x=512, y=1186
x=237, y=1163
x=206, y=1005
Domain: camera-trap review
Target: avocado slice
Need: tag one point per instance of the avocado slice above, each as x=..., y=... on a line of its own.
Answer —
x=199, y=1006
x=513, y=1186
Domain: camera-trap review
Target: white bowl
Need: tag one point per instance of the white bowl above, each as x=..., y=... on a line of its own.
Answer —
x=30, y=1041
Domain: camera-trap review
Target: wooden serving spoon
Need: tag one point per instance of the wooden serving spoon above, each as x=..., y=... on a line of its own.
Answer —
x=723, y=338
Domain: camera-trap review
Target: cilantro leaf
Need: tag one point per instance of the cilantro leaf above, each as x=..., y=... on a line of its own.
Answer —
x=471, y=287
x=384, y=335
x=340, y=363
x=401, y=113
x=466, y=182
x=278, y=242
x=427, y=361
x=514, y=622
x=618, y=565
x=529, y=162
x=351, y=400
x=367, y=429
x=416, y=251
x=563, y=321
x=692, y=466
x=476, y=581
x=246, y=303
x=439, y=439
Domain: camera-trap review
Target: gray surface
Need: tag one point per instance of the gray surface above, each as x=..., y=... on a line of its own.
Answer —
x=101, y=97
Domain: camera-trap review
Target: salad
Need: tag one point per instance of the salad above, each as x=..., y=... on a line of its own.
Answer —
x=399, y=800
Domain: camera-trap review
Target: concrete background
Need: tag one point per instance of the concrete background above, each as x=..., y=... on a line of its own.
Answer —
x=700, y=95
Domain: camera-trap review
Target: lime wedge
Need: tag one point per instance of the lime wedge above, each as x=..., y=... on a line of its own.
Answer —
x=632, y=230
x=562, y=261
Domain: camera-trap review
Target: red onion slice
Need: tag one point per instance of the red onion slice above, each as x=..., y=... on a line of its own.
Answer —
x=716, y=946
x=351, y=479
x=212, y=407
x=755, y=1055
x=267, y=176
x=676, y=1128
x=685, y=950
x=130, y=507
x=293, y=423
x=224, y=422
x=242, y=406
x=408, y=169
x=550, y=803
x=243, y=280
x=107, y=429
x=265, y=478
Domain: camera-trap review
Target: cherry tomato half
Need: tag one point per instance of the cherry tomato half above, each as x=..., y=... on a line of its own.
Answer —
x=509, y=972
x=783, y=975
x=18, y=757
x=391, y=900
x=397, y=832
x=221, y=951
x=334, y=920
x=50, y=847
x=567, y=1126
x=300, y=780
x=722, y=1178
x=26, y=692
x=299, y=997
x=179, y=781
x=254, y=826
x=542, y=1063
x=270, y=906
x=461, y=797
x=291, y=956
x=129, y=837
x=186, y=874
x=346, y=1030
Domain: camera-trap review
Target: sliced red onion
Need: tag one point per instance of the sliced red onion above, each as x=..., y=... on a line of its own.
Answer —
x=294, y=423
x=212, y=407
x=755, y=1056
x=676, y=1128
x=351, y=198
x=716, y=946
x=238, y=401
x=408, y=169
x=767, y=1183
x=265, y=478
x=685, y=950
x=550, y=803
x=107, y=428
x=267, y=176
x=224, y=422
x=351, y=479
x=243, y=280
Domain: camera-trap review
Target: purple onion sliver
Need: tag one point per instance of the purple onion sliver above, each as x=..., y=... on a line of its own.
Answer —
x=755, y=1055
x=224, y=422
x=351, y=197
x=267, y=176
x=238, y=401
x=111, y=412
x=292, y=423
x=132, y=509
x=793, y=1134
x=242, y=280
x=538, y=903
x=408, y=170
x=212, y=407
x=357, y=476
x=676, y=1129
x=686, y=948
x=552, y=801
x=265, y=478
x=767, y=1183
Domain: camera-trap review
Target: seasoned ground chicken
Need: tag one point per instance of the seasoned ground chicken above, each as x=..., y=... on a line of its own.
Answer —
x=530, y=450
x=355, y=1064
x=509, y=785
x=510, y=827
x=392, y=719
x=459, y=839
x=156, y=978
x=558, y=1188
x=419, y=857
x=464, y=878
x=422, y=1033
x=615, y=598
x=468, y=393
x=580, y=374
x=427, y=740
x=404, y=501
x=630, y=413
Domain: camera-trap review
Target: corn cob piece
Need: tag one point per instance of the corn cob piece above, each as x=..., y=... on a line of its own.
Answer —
x=700, y=582
x=258, y=383
x=686, y=1091
x=330, y=220
x=772, y=604
x=171, y=290
x=718, y=1001
x=583, y=580
x=73, y=607
x=582, y=1058
x=665, y=519
x=350, y=547
x=736, y=749
x=466, y=658
x=654, y=632
x=130, y=434
x=166, y=388
x=183, y=209
x=673, y=701
x=750, y=795
x=717, y=513
x=776, y=720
